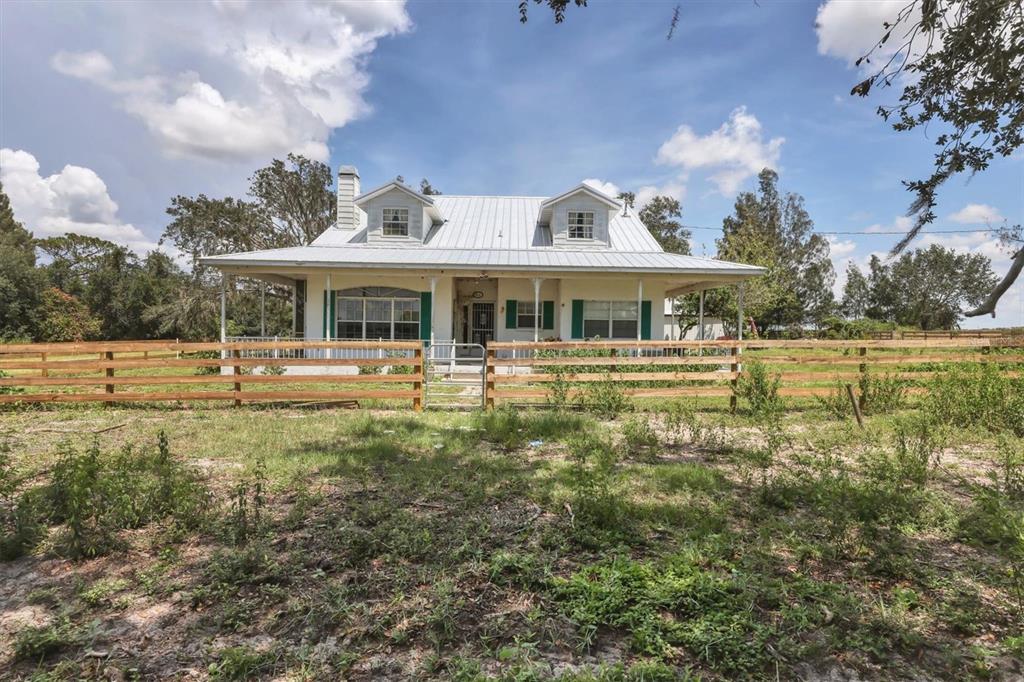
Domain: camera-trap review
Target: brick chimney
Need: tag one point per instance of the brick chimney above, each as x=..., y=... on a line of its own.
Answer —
x=348, y=190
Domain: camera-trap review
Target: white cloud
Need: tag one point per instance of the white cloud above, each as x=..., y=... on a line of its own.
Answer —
x=734, y=152
x=848, y=30
x=840, y=249
x=279, y=78
x=73, y=200
x=977, y=214
x=604, y=187
x=899, y=224
x=644, y=194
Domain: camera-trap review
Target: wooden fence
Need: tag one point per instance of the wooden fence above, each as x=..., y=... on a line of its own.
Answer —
x=247, y=371
x=126, y=371
x=518, y=372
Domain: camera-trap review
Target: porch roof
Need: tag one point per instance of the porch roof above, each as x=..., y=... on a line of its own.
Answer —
x=526, y=260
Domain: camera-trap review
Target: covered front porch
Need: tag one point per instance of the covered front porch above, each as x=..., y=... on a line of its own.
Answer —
x=460, y=312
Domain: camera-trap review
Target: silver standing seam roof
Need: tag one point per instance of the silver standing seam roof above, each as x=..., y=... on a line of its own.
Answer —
x=489, y=232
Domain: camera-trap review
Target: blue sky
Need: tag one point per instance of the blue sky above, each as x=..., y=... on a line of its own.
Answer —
x=107, y=111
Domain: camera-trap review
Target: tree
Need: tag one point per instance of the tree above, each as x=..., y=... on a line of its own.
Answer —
x=557, y=8
x=961, y=66
x=21, y=283
x=935, y=284
x=776, y=232
x=882, y=292
x=427, y=189
x=856, y=293
x=65, y=318
x=659, y=215
x=291, y=205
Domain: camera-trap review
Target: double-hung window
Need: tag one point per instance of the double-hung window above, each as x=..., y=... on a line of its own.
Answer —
x=395, y=222
x=378, y=313
x=581, y=224
x=526, y=315
x=610, y=319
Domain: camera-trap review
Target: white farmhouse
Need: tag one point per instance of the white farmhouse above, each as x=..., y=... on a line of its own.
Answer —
x=469, y=269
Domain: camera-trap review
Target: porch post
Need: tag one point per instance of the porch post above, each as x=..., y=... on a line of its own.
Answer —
x=433, y=295
x=536, y=308
x=739, y=314
x=700, y=323
x=223, y=313
x=330, y=322
x=739, y=328
x=263, y=308
x=295, y=311
x=639, y=308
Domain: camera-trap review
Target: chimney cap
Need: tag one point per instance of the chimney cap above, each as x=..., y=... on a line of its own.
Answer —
x=348, y=170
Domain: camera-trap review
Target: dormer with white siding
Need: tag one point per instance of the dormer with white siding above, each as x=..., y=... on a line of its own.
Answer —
x=579, y=218
x=396, y=214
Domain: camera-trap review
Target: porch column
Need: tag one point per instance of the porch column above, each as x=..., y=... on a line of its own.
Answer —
x=223, y=313
x=263, y=308
x=739, y=328
x=700, y=323
x=536, y=308
x=739, y=314
x=433, y=295
x=330, y=322
x=639, y=308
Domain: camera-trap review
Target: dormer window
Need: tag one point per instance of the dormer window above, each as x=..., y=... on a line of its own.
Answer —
x=581, y=224
x=395, y=222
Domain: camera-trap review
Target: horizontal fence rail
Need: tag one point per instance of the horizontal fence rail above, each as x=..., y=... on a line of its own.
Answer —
x=530, y=372
x=237, y=370
x=271, y=369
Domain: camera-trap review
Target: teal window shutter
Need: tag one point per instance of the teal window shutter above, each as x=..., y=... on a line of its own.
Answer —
x=323, y=332
x=577, y=318
x=645, y=320
x=511, y=314
x=548, y=315
x=425, y=307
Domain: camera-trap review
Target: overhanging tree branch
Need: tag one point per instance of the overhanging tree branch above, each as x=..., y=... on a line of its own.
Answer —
x=989, y=306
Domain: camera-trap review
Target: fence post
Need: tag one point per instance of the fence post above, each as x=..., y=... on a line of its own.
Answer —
x=736, y=378
x=489, y=371
x=45, y=372
x=237, y=371
x=109, y=355
x=417, y=384
x=862, y=351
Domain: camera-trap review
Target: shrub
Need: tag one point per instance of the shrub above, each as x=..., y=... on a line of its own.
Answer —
x=241, y=663
x=558, y=390
x=247, y=504
x=592, y=479
x=638, y=436
x=19, y=528
x=977, y=395
x=605, y=399
x=880, y=395
x=760, y=388
x=836, y=403
x=36, y=643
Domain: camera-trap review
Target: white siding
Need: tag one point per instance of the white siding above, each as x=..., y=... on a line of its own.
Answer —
x=394, y=199
x=522, y=290
x=560, y=222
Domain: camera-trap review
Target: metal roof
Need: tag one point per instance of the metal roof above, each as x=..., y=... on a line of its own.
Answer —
x=593, y=260
x=490, y=232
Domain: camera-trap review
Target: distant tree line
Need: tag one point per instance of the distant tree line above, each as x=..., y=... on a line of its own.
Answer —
x=76, y=287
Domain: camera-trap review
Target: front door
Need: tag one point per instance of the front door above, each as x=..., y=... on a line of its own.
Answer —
x=481, y=323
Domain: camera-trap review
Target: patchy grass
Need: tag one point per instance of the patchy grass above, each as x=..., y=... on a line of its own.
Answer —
x=682, y=543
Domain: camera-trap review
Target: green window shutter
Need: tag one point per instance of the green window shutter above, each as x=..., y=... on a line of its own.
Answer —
x=425, y=306
x=323, y=333
x=548, y=315
x=645, y=320
x=511, y=314
x=334, y=317
x=577, y=318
